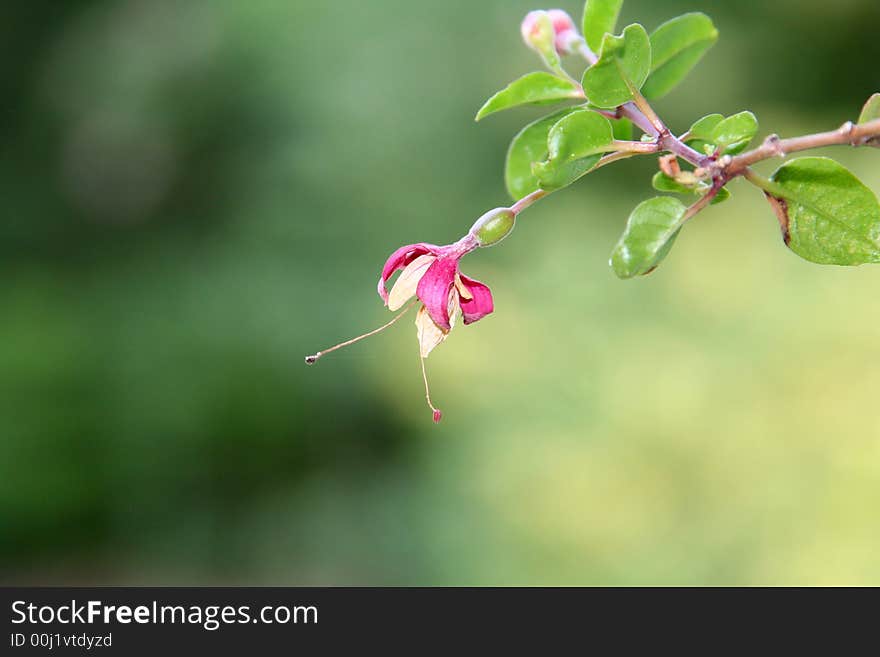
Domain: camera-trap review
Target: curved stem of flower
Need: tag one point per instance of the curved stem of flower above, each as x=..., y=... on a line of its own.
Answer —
x=311, y=360
x=527, y=201
x=438, y=414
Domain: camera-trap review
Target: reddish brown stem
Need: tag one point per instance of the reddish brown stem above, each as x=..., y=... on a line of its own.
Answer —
x=773, y=146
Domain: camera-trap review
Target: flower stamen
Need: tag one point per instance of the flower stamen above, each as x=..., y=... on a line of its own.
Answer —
x=311, y=360
x=438, y=414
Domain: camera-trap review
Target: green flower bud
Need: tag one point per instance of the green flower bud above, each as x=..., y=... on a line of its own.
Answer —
x=494, y=226
x=539, y=34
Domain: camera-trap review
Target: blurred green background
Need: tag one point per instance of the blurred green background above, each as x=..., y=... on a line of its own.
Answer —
x=197, y=193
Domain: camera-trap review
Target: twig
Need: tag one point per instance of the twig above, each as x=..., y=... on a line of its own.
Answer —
x=638, y=147
x=673, y=144
x=773, y=146
x=529, y=200
x=701, y=205
x=645, y=108
x=613, y=157
x=725, y=169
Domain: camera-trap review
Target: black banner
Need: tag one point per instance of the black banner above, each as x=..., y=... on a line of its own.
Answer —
x=134, y=621
x=231, y=620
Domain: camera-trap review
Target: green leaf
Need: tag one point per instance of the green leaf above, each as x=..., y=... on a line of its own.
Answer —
x=534, y=88
x=623, y=66
x=600, y=18
x=663, y=183
x=735, y=133
x=704, y=129
x=623, y=129
x=575, y=144
x=732, y=135
x=528, y=147
x=701, y=133
x=677, y=47
x=649, y=236
x=826, y=214
x=871, y=110
x=723, y=195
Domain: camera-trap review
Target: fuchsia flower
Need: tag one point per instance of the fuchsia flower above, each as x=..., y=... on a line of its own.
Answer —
x=430, y=273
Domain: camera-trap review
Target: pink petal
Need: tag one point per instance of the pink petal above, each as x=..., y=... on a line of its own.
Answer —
x=400, y=259
x=481, y=305
x=434, y=289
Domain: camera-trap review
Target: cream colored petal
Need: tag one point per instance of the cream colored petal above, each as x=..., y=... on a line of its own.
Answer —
x=430, y=335
x=406, y=284
x=454, y=308
x=462, y=290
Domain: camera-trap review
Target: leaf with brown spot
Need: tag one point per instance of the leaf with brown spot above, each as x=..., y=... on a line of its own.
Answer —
x=780, y=207
x=831, y=217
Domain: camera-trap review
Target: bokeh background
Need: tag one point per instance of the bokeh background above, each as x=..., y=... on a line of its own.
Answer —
x=197, y=193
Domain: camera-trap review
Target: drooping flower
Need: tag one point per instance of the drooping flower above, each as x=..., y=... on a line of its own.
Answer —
x=431, y=274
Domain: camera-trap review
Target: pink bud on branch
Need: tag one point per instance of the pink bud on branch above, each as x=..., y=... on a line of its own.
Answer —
x=567, y=35
x=550, y=33
x=539, y=35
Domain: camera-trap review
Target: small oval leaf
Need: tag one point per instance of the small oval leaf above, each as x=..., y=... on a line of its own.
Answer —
x=735, y=133
x=722, y=195
x=623, y=66
x=649, y=236
x=534, y=88
x=664, y=183
x=528, y=147
x=600, y=18
x=704, y=129
x=700, y=135
x=827, y=215
x=574, y=146
x=677, y=46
